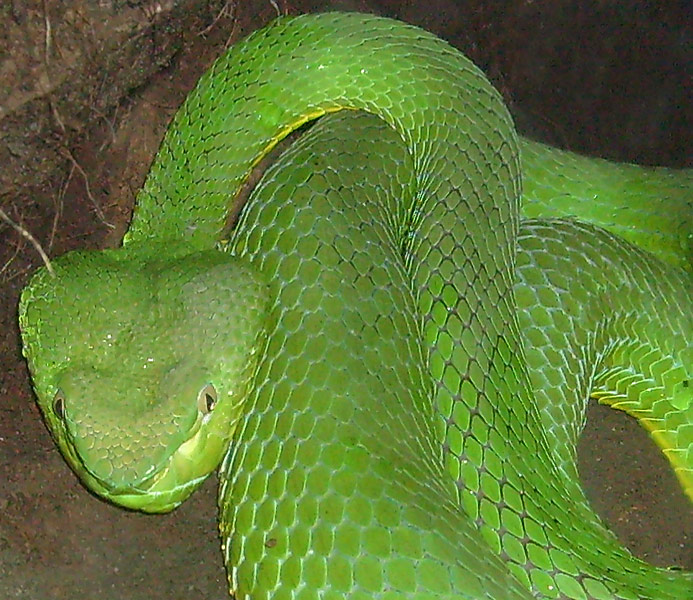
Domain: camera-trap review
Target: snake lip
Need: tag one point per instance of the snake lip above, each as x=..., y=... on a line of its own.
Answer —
x=147, y=500
x=137, y=495
x=143, y=495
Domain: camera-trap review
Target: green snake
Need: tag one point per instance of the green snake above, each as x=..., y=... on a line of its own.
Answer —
x=390, y=365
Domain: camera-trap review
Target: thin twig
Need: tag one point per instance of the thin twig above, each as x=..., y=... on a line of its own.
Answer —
x=276, y=7
x=17, y=249
x=59, y=207
x=46, y=59
x=47, y=41
x=228, y=10
x=25, y=234
x=109, y=124
x=96, y=205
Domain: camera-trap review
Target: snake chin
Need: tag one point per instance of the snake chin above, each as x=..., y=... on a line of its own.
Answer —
x=165, y=487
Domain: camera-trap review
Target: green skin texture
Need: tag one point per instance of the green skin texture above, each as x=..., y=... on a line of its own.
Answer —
x=400, y=366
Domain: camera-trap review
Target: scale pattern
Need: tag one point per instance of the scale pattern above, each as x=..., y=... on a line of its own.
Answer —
x=340, y=204
x=651, y=207
x=410, y=427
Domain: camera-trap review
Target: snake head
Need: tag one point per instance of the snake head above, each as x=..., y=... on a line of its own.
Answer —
x=141, y=360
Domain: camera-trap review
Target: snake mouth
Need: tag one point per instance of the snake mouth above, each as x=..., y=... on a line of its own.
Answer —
x=159, y=492
x=160, y=489
x=150, y=499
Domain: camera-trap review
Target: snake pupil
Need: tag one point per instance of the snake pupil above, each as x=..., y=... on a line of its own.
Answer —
x=59, y=405
x=207, y=399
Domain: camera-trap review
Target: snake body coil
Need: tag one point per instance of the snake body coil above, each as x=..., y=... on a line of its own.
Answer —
x=397, y=363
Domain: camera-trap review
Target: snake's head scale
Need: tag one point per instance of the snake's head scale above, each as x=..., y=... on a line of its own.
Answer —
x=141, y=361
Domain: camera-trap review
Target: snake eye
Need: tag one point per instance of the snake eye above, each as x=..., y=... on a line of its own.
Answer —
x=59, y=404
x=207, y=399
